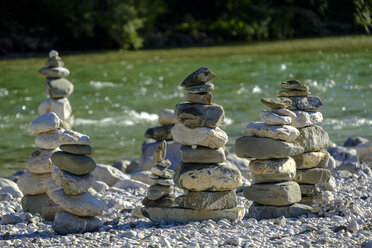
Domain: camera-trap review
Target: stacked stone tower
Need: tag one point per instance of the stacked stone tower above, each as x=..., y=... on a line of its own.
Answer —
x=312, y=163
x=33, y=183
x=161, y=193
x=275, y=193
x=58, y=89
x=71, y=180
x=208, y=181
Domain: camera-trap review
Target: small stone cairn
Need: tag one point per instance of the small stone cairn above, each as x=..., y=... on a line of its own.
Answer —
x=161, y=193
x=58, y=89
x=311, y=165
x=275, y=193
x=71, y=182
x=208, y=181
x=33, y=183
x=155, y=136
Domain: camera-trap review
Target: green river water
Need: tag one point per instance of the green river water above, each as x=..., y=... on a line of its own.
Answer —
x=119, y=94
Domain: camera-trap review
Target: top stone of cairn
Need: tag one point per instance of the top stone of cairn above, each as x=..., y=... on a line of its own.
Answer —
x=294, y=85
x=53, y=54
x=160, y=152
x=200, y=76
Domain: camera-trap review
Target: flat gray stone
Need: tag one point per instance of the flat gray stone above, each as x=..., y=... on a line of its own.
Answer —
x=287, y=93
x=54, y=72
x=294, y=85
x=155, y=192
x=167, y=117
x=281, y=132
x=309, y=160
x=309, y=103
x=40, y=161
x=201, y=88
x=208, y=200
x=34, y=203
x=202, y=155
x=199, y=98
x=73, y=163
x=49, y=140
x=61, y=107
x=184, y=215
x=45, y=123
x=313, y=138
x=284, y=112
x=317, y=176
x=200, y=76
x=271, y=118
x=160, y=133
x=54, y=62
x=69, y=137
x=33, y=184
x=275, y=194
x=273, y=170
x=208, y=177
x=204, y=136
x=66, y=223
x=261, y=212
x=199, y=115
x=265, y=148
x=162, y=172
x=10, y=219
x=83, y=204
x=306, y=118
x=164, y=182
x=277, y=103
x=309, y=190
x=72, y=184
x=165, y=201
x=77, y=149
x=59, y=87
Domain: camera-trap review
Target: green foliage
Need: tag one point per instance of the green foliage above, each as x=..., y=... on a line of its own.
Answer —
x=27, y=25
x=363, y=13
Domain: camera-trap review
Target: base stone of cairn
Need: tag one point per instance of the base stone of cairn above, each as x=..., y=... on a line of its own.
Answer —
x=155, y=136
x=311, y=164
x=34, y=182
x=208, y=182
x=58, y=89
x=274, y=192
x=72, y=179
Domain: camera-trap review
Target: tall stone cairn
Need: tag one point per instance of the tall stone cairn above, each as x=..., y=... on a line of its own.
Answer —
x=208, y=181
x=33, y=183
x=161, y=193
x=311, y=165
x=273, y=144
x=58, y=89
x=72, y=178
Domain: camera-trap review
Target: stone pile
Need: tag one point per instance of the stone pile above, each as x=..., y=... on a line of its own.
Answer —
x=311, y=165
x=33, y=183
x=161, y=193
x=155, y=137
x=208, y=181
x=275, y=193
x=58, y=89
x=72, y=179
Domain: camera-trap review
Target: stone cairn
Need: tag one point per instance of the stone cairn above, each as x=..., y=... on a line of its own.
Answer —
x=72, y=179
x=33, y=183
x=161, y=193
x=286, y=142
x=58, y=89
x=208, y=182
x=311, y=164
x=155, y=136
